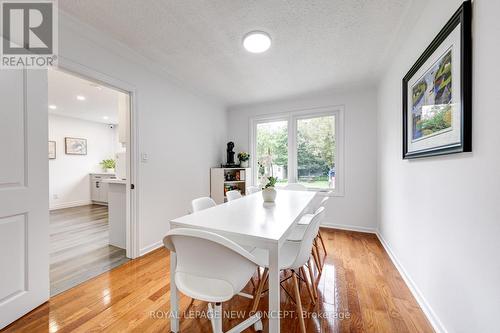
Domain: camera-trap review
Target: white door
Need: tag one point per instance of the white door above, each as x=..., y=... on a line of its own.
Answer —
x=24, y=239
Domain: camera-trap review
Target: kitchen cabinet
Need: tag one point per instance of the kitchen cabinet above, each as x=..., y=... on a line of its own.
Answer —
x=117, y=203
x=98, y=188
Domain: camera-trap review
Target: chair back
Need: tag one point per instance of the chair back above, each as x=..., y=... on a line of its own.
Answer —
x=233, y=195
x=202, y=203
x=252, y=189
x=295, y=187
x=206, y=256
x=318, y=203
x=309, y=235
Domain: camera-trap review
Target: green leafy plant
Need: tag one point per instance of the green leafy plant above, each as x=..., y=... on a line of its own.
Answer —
x=108, y=164
x=243, y=156
x=440, y=121
x=271, y=181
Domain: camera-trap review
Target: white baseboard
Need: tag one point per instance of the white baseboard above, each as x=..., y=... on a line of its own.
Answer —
x=349, y=228
x=70, y=204
x=150, y=248
x=426, y=308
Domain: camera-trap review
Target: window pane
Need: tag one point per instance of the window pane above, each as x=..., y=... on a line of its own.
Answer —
x=316, y=152
x=272, y=140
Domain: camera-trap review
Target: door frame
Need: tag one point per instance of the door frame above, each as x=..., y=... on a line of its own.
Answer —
x=132, y=196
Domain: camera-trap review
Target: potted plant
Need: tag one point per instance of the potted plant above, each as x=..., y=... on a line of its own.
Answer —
x=268, y=191
x=108, y=165
x=243, y=157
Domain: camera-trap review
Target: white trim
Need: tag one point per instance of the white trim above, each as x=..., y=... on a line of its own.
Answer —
x=424, y=305
x=132, y=228
x=70, y=204
x=150, y=248
x=291, y=117
x=349, y=228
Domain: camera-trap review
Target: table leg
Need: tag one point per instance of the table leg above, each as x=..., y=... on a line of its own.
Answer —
x=174, y=299
x=274, y=290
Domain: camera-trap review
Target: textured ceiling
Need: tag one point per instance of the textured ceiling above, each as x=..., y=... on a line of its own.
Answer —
x=317, y=44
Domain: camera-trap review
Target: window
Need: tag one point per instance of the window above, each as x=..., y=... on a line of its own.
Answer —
x=305, y=147
x=272, y=140
x=316, y=152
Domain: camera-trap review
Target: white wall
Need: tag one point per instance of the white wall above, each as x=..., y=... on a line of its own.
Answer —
x=182, y=133
x=69, y=174
x=440, y=216
x=357, y=209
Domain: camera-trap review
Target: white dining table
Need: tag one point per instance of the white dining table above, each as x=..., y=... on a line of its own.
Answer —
x=251, y=222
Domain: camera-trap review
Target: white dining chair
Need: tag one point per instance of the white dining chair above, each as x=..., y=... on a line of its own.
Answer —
x=205, y=203
x=213, y=269
x=202, y=203
x=293, y=256
x=252, y=189
x=297, y=233
x=233, y=195
x=295, y=187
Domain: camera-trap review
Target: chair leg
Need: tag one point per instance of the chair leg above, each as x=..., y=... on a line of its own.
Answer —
x=311, y=276
x=253, y=284
x=317, y=252
x=309, y=289
x=218, y=318
x=316, y=259
x=322, y=242
x=298, y=303
x=260, y=287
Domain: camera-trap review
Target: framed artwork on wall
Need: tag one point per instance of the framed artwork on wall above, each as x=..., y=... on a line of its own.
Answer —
x=52, y=150
x=437, y=93
x=75, y=146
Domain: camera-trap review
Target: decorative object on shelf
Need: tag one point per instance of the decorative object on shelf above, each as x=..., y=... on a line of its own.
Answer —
x=244, y=158
x=75, y=146
x=52, y=150
x=230, y=155
x=108, y=165
x=268, y=191
x=437, y=93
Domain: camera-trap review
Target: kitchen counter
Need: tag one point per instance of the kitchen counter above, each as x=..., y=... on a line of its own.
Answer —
x=117, y=207
x=114, y=181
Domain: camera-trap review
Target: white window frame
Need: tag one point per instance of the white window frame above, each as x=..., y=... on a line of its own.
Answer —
x=292, y=117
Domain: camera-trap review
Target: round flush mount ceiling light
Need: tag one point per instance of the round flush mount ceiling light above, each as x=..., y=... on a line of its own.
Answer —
x=80, y=98
x=52, y=107
x=257, y=42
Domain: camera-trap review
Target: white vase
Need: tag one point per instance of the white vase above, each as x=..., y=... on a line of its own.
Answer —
x=110, y=170
x=269, y=194
x=244, y=164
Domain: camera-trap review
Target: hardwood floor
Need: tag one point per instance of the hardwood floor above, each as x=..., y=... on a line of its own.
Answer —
x=79, y=246
x=360, y=290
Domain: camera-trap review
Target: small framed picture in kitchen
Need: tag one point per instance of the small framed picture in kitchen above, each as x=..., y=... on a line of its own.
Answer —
x=75, y=146
x=437, y=93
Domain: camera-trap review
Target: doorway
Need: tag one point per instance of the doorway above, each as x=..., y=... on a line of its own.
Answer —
x=89, y=178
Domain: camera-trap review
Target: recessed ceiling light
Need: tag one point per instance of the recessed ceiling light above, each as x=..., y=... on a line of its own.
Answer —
x=105, y=117
x=257, y=42
x=52, y=107
x=80, y=98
